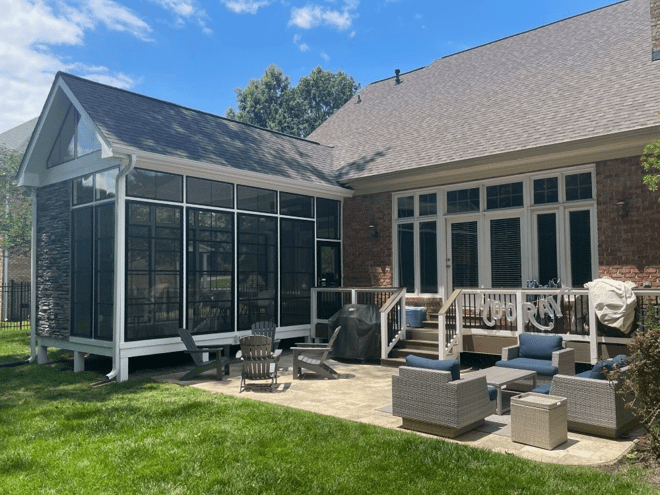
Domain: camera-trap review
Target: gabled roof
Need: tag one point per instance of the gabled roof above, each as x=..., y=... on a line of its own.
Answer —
x=584, y=77
x=18, y=137
x=131, y=120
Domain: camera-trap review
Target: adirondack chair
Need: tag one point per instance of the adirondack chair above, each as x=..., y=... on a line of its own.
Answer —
x=265, y=328
x=196, y=352
x=312, y=357
x=259, y=360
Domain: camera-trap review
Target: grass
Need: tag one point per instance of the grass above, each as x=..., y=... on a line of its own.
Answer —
x=60, y=435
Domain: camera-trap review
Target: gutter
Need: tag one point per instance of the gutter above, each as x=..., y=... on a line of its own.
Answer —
x=132, y=158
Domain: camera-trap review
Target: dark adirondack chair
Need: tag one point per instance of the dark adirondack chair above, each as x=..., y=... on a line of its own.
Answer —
x=312, y=357
x=259, y=360
x=266, y=328
x=196, y=352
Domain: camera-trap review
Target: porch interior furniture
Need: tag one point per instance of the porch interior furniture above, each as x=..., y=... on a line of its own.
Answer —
x=196, y=352
x=312, y=357
x=259, y=361
x=541, y=353
x=539, y=420
x=431, y=401
x=498, y=378
x=594, y=406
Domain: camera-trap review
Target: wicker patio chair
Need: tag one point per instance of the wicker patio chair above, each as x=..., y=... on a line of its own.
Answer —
x=594, y=406
x=196, y=352
x=312, y=357
x=259, y=360
x=429, y=401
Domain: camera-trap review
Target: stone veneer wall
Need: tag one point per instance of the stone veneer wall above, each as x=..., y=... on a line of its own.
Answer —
x=54, y=260
x=628, y=248
x=367, y=259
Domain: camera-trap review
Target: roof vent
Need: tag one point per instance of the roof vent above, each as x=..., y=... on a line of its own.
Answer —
x=397, y=79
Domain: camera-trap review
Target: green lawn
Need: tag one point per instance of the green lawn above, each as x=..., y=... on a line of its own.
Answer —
x=60, y=435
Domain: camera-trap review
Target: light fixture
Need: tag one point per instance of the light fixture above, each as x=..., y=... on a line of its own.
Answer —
x=622, y=207
x=374, y=228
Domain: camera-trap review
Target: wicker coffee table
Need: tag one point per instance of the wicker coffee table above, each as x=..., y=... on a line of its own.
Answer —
x=501, y=377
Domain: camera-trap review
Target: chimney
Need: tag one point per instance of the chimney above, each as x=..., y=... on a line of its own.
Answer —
x=655, y=29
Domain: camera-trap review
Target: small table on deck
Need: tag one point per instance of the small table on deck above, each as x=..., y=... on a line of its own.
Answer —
x=501, y=377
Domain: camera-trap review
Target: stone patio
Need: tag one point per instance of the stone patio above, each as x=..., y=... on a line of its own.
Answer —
x=363, y=394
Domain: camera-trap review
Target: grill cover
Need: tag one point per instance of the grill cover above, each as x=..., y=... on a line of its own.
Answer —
x=359, y=337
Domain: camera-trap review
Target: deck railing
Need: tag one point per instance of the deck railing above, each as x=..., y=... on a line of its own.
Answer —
x=508, y=312
x=391, y=301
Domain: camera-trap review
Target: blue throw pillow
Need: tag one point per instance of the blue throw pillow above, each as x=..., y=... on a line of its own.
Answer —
x=535, y=346
x=434, y=364
x=620, y=361
x=600, y=368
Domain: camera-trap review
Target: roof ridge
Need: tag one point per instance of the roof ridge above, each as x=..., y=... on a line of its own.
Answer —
x=61, y=73
x=532, y=29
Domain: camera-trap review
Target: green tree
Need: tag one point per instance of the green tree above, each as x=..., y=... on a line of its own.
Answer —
x=271, y=102
x=16, y=211
x=651, y=163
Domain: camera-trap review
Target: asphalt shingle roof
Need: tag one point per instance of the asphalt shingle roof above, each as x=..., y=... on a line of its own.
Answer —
x=583, y=77
x=17, y=138
x=151, y=125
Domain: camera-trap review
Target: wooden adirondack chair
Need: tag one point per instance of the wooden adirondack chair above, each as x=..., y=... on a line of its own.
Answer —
x=312, y=357
x=266, y=328
x=259, y=360
x=196, y=352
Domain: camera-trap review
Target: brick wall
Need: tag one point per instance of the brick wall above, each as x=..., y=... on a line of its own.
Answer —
x=53, y=260
x=368, y=259
x=628, y=248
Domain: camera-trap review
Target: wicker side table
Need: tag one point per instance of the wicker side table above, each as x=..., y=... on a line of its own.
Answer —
x=539, y=420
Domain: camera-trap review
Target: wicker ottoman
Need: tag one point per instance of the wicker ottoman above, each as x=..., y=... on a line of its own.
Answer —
x=539, y=420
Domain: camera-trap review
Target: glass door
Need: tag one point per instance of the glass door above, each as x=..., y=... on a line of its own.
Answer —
x=463, y=250
x=328, y=272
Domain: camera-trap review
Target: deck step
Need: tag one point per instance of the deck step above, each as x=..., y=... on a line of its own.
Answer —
x=399, y=352
x=422, y=334
x=393, y=362
x=422, y=344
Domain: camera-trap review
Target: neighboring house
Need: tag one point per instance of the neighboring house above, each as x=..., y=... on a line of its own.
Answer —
x=511, y=161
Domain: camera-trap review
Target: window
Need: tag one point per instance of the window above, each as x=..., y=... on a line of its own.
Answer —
x=76, y=138
x=464, y=255
x=580, y=244
x=94, y=187
x=151, y=184
x=463, y=201
x=546, y=191
x=153, y=271
x=406, y=238
x=296, y=205
x=505, y=253
x=256, y=199
x=578, y=186
x=297, y=270
x=504, y=196
x=82, y=255
x=328, y=214
x=428, y=204
x=209, y=192
x=210, y=271
x=546, y=230
x=406, y=207
x=428, y=257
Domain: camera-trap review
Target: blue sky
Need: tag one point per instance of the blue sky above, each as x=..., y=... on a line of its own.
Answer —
x=195, y=53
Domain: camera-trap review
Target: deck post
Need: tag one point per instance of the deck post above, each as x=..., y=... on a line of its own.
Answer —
x=459, y=324
x=520, y=319
x=314, y=315
x=593, y=333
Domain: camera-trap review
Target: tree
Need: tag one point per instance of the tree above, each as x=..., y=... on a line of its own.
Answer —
x=272, y=103
x=16, y=213
x=651, y=163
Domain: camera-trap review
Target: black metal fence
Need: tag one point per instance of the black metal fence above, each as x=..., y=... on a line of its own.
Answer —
x=15, y=304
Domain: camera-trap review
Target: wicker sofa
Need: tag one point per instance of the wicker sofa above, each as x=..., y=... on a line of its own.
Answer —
x=541, y=353
x=594, y=406
x=431, y=402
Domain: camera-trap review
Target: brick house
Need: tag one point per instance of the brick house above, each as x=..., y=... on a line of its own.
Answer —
x=512, y=161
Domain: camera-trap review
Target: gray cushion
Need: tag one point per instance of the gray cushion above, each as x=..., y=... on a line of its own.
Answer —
x=434, y=364
x=535, y=346
x=541, y=366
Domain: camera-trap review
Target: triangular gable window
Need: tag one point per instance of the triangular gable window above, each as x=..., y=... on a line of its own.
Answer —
x=75, y=139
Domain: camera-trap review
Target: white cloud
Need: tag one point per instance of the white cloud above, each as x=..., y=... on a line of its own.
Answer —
x=312, y=16
x=245, y=6
x=297, y=40
x=30, y=29
x=325, y=56
x=185, y=10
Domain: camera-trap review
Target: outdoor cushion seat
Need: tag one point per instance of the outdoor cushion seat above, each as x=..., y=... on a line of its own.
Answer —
x=451, y=365
x=543, y=389
x=542, y=368
x=492, y=393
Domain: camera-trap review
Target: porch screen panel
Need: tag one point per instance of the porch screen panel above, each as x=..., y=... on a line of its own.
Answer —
x=153, y=271
x=505, y=253
x=464, y=255
x=257, y=270
x=82, y=275
x=546, y=227
x=428, y=257
x=580, y=229
x=297, y=270
x=406, y=238
x=105, y=270
x=210, y=271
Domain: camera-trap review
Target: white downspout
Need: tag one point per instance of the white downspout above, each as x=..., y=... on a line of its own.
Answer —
x=33, y=279
x=120, y=263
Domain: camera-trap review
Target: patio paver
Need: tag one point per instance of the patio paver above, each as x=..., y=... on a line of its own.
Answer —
x=364, y=394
